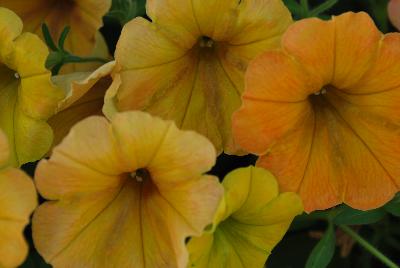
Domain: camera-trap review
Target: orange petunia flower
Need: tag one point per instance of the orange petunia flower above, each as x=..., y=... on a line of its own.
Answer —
x=17, y=201
x=83, y=16
x=124, y=194
x=187, y=64
x=323, y=113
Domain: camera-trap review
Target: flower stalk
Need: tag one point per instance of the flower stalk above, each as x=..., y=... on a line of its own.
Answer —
x=367, y=246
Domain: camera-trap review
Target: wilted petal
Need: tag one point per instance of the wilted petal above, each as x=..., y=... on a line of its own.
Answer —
x=85, y=94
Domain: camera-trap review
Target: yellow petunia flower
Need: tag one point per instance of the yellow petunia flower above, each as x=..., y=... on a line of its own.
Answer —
x=83, y=16
x=324, y=114
x=252, y=219
x=17, y=201
x=124, y=194
x=27, y=97
x=187, y=64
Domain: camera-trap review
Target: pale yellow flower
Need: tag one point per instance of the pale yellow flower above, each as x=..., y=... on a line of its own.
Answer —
x=124, y=194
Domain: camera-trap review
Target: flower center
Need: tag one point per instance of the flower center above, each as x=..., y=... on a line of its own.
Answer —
x=316, y=97
x=206, y=42
x=141, y=175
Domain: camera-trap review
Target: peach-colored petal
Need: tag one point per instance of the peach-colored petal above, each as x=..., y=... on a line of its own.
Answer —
x=356, y=45
x=317, y=56
x=276, y=92
x=17, y=201
x=110, y=202
x=383, y=74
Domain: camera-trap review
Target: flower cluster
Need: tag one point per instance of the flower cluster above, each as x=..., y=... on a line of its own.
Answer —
x=126, y=149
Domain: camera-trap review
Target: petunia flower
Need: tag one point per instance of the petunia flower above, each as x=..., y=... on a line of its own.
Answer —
x=27, y=97
x=17, y=201
x=252, y=219
x=323, y=113
x=187, y=64
x=124, y=194
x=83, y=16
x=394, y=13
x=84, y=93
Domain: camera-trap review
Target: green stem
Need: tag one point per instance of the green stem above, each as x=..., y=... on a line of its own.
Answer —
x=367, y=246
x=304, y=3
x=305, y=8
x=75, y=59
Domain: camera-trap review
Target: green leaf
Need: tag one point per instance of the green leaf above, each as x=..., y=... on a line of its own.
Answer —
x=295, y=8
x=322, y=8
x=393, y=207
x=47, y=37
x=63, y=36
x=304, y=4
x=351, y=216
x=323, y=252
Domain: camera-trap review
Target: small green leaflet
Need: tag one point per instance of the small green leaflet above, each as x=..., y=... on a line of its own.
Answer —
x=351, y=216
x=323, y=252
x=393, y=207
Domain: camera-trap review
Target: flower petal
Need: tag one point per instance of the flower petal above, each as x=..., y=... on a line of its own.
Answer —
x=10, y=28
x=317, y=56
x=383, y=74
x=192, y=66
x=340, y=143
x=260, y=20
x=216, y=27
x=256, y=219
x=85, y=94
x=28, y=98
x=375, y=122
x=17, y=201
x=164, y=149
x=4, y=150
x=100, y=204
x=356, y=44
